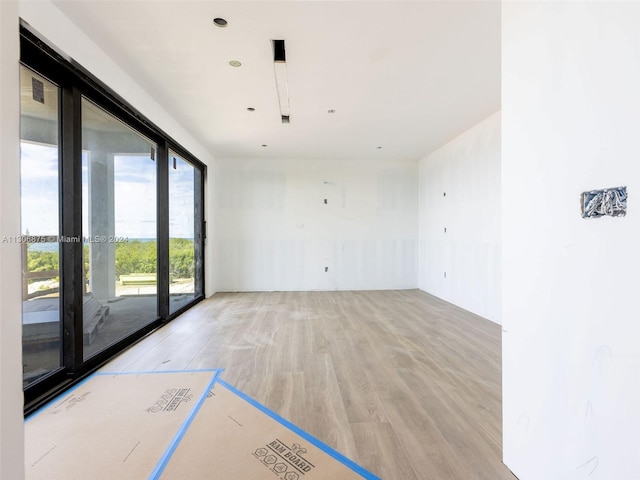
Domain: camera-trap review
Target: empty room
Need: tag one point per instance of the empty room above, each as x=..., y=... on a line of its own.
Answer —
x=319, y=239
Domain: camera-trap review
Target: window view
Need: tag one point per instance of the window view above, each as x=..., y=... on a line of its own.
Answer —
x=94, y=172
x=39, y=167
x=181, y=232
x=119, y=229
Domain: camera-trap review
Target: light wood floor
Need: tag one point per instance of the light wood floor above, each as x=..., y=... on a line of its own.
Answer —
x=403, y=383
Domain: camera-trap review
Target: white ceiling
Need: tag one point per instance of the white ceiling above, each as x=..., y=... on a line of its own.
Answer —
x=406, y=76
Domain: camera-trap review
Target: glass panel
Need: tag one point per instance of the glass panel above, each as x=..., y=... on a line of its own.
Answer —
x=181, y=232
x=39, y=167
x=119, y=229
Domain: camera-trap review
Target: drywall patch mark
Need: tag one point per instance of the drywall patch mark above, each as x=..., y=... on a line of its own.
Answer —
x=593, y=462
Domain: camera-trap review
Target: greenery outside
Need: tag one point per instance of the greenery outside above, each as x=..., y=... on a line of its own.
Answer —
x=133, y=256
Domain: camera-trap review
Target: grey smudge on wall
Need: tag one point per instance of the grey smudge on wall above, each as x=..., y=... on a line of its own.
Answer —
x=524, y=419
x=603, y=357
x=593, y=462
x=588, y=412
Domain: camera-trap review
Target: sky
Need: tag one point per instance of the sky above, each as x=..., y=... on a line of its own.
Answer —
x=134, y=193
x=39, y=189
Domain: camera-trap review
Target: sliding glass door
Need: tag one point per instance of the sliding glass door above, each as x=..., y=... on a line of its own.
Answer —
x=112, y=223
x=182, y=237
x=39, y=187
x=119, y=229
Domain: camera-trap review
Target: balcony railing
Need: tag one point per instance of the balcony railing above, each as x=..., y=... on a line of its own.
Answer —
x=42, y=275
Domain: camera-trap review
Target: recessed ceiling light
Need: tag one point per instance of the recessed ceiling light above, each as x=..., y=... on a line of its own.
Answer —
x=378, y=148
x=220, y=22
x=263, y=145
x=251, y=109
x=331, y=111
x=234, y=63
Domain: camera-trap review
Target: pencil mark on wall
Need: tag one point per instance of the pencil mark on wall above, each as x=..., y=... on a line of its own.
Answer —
x=593, y=462
x=609, y=201
x=603, y=355
x=524, y=420
x=588, y=412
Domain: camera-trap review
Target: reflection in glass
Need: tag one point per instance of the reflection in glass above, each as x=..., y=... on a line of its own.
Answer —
x=39, y=167
x=181, y=232
x=119, y=229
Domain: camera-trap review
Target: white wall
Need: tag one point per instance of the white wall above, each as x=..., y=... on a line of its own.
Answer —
x=11, y=429
x=50, y=22
x=467, y=169
x=274, y=231
x=571, y=286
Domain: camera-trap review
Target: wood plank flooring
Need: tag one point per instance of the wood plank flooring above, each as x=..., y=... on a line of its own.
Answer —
x=401, y=382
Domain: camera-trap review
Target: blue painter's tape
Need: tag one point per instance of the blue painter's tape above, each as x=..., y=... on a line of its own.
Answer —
x=311, y=439
x=144, y=372
x=166, y=456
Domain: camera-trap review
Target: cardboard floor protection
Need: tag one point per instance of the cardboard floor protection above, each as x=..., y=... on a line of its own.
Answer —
x=172, y=425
